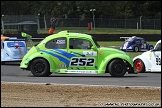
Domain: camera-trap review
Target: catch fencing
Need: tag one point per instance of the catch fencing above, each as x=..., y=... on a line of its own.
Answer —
x=35, y=22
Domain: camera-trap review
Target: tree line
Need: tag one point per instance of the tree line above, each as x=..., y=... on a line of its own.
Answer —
x=81, y=9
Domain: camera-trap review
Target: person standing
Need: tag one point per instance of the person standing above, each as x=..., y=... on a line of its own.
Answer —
x=52, y=28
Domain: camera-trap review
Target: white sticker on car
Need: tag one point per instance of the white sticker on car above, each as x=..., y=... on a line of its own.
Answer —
x=60, y=42
x=125, y=45
x=90, y=53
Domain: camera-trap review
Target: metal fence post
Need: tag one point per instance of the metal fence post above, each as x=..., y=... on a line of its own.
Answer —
x=93, y=17
x=45, y=24
x=3, y=24
x=137, y=26
x=125, y=23
x=140, y=22
x=38, y=31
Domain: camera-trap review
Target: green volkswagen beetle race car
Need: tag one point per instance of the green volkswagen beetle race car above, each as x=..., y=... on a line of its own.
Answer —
x=68, y=52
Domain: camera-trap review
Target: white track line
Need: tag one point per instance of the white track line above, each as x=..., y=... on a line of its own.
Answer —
x=83, y=85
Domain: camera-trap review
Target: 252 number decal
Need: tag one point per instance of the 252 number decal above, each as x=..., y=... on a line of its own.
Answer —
x=75, y=61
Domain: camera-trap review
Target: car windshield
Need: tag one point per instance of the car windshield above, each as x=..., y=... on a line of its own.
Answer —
x=158, y=47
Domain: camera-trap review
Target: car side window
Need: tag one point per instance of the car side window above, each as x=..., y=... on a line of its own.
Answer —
x=158, y=47
x=76, y=43
x=142, y=41
x=137, y=42
x=58, y=43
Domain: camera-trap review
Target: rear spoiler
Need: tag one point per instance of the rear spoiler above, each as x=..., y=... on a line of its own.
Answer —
x=127, y=37
x=29, y=37
x=124, y=37
x=16, y=39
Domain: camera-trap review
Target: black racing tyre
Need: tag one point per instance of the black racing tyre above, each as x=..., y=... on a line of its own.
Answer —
x=139, y=66
x=40, y=68
x=117, y=68
x=151, y=47
x=136, y=49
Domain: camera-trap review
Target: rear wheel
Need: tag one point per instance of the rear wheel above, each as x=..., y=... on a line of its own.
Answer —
x=40, y=68
x=117, y=68
x=139, y=66
x=136, y=49
x=151, y=47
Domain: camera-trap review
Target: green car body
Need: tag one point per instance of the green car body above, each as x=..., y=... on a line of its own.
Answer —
x=61, y=53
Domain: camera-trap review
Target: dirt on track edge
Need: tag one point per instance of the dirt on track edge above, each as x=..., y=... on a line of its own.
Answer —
x=56, y=95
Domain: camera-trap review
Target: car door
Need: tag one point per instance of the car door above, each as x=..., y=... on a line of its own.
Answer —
x=84, y=59
x=57, y=50
x=155, y=57
x=143, y=44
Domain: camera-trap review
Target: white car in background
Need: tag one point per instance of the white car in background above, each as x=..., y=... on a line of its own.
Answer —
x=12, y=49
x=149, y=61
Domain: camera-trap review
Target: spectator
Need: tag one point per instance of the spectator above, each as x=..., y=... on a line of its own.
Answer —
x=52, y=28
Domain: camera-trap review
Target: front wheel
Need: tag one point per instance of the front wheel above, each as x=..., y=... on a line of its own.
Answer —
x=40, y=68
x=117, y=68
x=139, y=66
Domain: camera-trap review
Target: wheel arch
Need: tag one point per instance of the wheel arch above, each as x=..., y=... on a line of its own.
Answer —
x=48, y=60
x=105, y=63
x=145, y=61
x=110, y=62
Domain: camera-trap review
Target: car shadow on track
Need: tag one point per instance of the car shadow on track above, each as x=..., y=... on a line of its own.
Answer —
x=88, y=76
x=11, y=63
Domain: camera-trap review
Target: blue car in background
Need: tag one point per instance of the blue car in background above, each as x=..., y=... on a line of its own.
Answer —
x=135, y=44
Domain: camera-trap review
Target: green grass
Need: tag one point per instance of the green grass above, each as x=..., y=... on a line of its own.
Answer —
x=133, y=54
x=104, y=30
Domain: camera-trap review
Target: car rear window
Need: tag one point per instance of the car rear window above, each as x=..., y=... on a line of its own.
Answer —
x=13, y=44
x=58, y=43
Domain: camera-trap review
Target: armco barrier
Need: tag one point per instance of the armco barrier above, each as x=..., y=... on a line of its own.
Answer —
x=101, y=37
